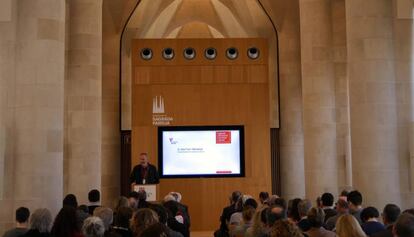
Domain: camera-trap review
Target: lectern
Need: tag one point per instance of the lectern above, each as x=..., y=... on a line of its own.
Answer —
x=150, y=190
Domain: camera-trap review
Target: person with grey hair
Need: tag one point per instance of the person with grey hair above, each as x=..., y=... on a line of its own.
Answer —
x=303, y=208
x=40, y=223
x=93, y=227
x=107, y=216
x=316, y=217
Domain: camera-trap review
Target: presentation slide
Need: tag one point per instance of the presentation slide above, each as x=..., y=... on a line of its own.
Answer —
x=212, y=152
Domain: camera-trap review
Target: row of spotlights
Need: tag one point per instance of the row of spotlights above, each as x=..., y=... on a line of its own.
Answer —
x=210, y=53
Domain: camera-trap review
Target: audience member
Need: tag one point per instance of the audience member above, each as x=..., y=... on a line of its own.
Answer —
x=389, y=217
x=348, y=226
x=355, y=204
x=258, y=228
x=273, y=214
x=272, y=200
x=65, y=223
x=121, y=202
x=183, y=209
x=293, y=213
x=82, y=212
x=133, y=200
x=316, y=217
x=226, y=214
x=107, y=216
x=263, y=196
x=22, y=223
x=70, y=200
x=40, y=222
x=284, y=228
x=247, y=214
x=155, y=230
x=404, y=227
x=121, y=221
x=342, y=209
x=175, y=219
x=142, y=199
x=94, y=197
x=163, y=219
x=142, y=219
x=303, y=208
x=93, y=227
x=344, y=195
x=370, y=223
x=327, y=201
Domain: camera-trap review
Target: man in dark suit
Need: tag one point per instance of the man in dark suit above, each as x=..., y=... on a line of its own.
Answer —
x=327, y=205
x=144, y=173
x=226, y=214
x=389, y=217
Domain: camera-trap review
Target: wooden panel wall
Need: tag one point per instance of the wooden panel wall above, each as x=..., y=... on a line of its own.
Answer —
x=205, y=92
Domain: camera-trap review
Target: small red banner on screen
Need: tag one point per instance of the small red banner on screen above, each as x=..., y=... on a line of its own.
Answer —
x=223, y=172
x=223, y=137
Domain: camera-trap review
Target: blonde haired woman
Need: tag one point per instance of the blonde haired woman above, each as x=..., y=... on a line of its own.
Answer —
x=348, y=226
x=142, y=219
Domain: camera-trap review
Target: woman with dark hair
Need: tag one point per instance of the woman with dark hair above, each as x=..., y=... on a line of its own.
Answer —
x=71, y=201
x=293, y=211
x=142, y=219
x=121, y=221
x=65, y=224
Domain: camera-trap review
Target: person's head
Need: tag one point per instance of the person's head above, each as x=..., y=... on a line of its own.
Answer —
x=133, y=199
x=65, y=224
x=155, y=230
x=316, y=217
x=122, y=217
x=404, y=226
x=275, y=213
x=259, y=221
x=409, y=211
x=121, y=202
x=40, y=220
x=22, y=215
x=342, y=206
x=280, y=202
x=177, y=196
x=70, y=200
x=248, y=213
x=94, y=195
x=344, y=195
x=93, y=227
x=143, y=159
x=235, y=196
x=354, y=199
x=284, y=228
x=83, y=208
x=263, y=196
x=347, y=225
x=327, y=200
x=250, y=203
x=169, y=197
x=303, y=207
x=390, y=214
x=142, y=219
x=293, y=211
x=142, y=195
x=161, y=211
x=369, y=214
x=272, y=200
x=106, y=214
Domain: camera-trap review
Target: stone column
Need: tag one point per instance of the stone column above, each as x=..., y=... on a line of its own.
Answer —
x=38, y=104
x=318, y=91
x=373, y=101
x=83, y=99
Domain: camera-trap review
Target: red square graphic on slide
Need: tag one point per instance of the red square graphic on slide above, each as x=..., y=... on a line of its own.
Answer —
x=223, y=137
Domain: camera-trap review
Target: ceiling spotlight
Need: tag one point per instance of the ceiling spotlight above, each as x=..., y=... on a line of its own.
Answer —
x=189, y=53
x=146, y=53
x=168, y=53
x=253, y=53
x=210, y=53
x=232, y=53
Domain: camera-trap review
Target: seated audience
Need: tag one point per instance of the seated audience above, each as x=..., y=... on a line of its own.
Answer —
x=316, y=217
x=106, y=214
x=40, y=222
x=93, y=227
x=82, y=212
x=70, y=200
x=258, y=228
x=155, y=230
x=327, y=201
x=120, y=202
x=163, y=218
x=303, y=208
x=183, y=209
x=94, y=197
x=389, y=217
x=247, y=215
x=237, y=217
x=370, y=223
x=175, y=219
x=22, y=223
x=263, y=196
x=348, y=226
x=342, y=209
x=142, y=219
x=142, y=199
x=65, y=224
x=272, y=199
x=284, y=228
x=355, y=204
x=133, y=200
x=121, y=221
x=404, y=227
x=275, y=213
x=226, y=214
x=293, y=212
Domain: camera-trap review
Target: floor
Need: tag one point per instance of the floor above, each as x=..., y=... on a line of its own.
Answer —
x=202, y=234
